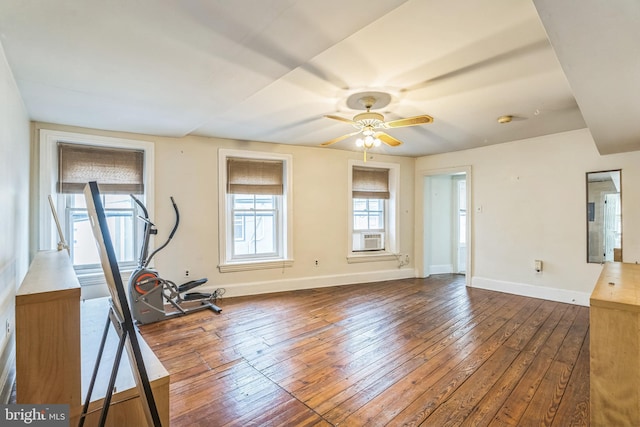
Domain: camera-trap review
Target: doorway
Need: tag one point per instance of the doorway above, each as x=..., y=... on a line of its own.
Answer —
x=460, y=223
x=446, y=223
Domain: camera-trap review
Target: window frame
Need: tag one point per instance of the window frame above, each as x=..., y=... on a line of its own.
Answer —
x=392, y=207
x=227, y=263
x=48, y=177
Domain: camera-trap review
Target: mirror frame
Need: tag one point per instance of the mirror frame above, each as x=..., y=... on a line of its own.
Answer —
x=590, y=212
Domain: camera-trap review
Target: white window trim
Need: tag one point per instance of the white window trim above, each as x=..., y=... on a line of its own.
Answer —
x=225, y=265
x=48, y=236
x=392, y=226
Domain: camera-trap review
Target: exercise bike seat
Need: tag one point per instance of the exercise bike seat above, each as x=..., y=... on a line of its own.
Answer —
x=191, y=284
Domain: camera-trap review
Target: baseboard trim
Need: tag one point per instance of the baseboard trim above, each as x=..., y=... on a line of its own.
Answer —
x=441, y=269
x=271, y=286
x=542, y=292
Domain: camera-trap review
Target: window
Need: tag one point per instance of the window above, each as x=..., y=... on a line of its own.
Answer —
x=255, y=206
x=255, y=225
x=368, y=215
x=67, y=162
x=118, y=172
x=373, y=210
x=370, y=191
x=123, y=226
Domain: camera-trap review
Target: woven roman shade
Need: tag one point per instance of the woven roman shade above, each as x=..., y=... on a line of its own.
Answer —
x=116, y=170
x=370, y=183
x=254, y=176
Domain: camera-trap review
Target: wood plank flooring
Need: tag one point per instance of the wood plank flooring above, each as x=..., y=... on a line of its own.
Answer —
x=413, y=352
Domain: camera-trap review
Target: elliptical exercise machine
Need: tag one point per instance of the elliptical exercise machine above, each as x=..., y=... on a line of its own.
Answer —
x=148, y=291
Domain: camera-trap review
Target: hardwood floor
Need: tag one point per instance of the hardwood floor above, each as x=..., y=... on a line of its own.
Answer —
x=411, y=352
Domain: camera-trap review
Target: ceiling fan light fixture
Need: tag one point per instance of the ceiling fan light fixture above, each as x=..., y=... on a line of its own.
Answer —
x=505, y=119
x=369, y=141
x=369, y=123
x=367, y=119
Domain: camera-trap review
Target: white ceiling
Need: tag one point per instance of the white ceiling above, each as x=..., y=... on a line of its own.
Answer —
x=270, y=70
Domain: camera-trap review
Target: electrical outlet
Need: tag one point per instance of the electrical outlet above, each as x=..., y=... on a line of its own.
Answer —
x=8, y=327
x=317, y=263
x=186, y=273
x=538, y=266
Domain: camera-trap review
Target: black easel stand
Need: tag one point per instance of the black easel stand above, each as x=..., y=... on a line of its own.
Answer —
x=119, y=316
x=112, y=319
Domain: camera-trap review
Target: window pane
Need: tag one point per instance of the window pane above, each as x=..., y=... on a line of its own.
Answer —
x=244, y=239
x=462, y=195
x=361, y=222
x=254, y=230
x=375, y=204
x=264, y=202
x=121, y=229
x=265, y=233
x=376, y=221
x=243, y=201
x=368, y=214
x=114, y=201
x=77, y=201
x=359, y=204
x=462, y=227
x=238, y=228
x=83, y=245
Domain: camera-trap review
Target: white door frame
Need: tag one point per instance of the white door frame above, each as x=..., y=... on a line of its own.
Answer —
x=422, y=232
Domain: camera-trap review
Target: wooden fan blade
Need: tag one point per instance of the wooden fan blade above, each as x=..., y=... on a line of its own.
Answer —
x=338, y=139
x=342, y=119
x=409, y=121
x=387, y=139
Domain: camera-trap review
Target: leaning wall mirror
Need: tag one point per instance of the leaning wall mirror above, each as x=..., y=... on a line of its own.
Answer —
x=604, y=216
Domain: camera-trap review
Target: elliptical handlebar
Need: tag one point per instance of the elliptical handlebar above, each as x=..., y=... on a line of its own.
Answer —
x=144, y=260
x=144, y=209
x=175, y=227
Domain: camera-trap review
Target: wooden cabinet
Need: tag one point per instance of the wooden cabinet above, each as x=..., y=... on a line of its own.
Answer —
x=615, y=346
x=48, y=332
x=57, y=339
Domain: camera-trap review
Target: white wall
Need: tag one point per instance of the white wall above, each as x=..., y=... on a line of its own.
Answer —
x=186, y=168
x=532, y=194
x=14, y=211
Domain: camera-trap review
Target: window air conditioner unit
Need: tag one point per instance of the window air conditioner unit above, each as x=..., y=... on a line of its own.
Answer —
x=371, y=242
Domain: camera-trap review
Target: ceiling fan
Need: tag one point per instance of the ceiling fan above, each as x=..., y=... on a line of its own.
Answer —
x=369, y=123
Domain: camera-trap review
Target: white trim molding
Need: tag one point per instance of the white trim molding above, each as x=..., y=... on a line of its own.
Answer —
x=392, y=226
x=285, y=258
x=258, y=265
x=280, y=285
x=526, y=290
x=49, y=173
x=441, y=269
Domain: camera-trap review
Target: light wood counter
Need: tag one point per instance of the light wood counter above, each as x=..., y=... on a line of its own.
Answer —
x=57, y=340
x=48, y=332
x=615, y=346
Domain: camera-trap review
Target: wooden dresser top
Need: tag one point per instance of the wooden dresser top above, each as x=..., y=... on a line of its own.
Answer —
x=618, y=287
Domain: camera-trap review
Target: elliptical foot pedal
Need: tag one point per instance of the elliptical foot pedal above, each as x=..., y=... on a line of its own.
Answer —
x=191, y=284
x=192, y=296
